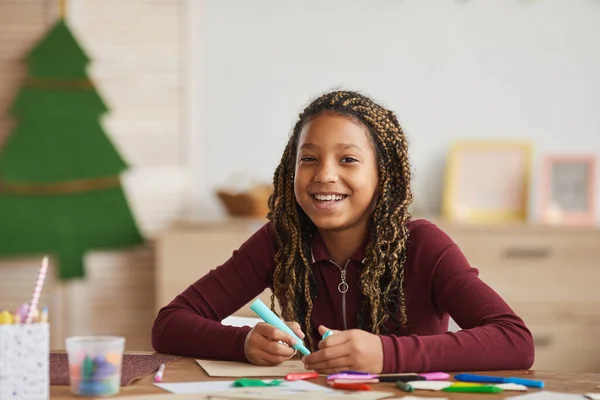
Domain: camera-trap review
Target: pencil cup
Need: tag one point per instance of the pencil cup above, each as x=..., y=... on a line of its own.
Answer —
x=24, y=361
x=95, y=365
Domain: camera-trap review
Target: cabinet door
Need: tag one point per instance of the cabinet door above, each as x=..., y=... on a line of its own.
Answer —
x=565, y=347
x=184, y=256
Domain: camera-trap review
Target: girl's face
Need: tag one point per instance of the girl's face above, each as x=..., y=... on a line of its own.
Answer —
x=336, y=176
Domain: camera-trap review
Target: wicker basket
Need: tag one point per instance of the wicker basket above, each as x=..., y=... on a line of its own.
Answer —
x=252, y=203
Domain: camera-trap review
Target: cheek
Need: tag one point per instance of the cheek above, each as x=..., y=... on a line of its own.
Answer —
x=369, y=182
x=299, y=183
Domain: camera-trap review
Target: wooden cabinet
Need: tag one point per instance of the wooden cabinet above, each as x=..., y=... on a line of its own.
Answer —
x=190, y=250
x=548, y=275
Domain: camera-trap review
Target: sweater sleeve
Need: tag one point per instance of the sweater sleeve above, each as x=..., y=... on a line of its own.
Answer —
x=190, y=324
x=493, y=337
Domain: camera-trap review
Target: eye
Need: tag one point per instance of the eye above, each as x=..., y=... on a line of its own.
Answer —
x=307, y=159
x=347, y=160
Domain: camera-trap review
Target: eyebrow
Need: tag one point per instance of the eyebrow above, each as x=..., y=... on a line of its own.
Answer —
x=342, y=145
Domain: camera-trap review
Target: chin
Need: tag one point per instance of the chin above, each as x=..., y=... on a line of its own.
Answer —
x=329, y=223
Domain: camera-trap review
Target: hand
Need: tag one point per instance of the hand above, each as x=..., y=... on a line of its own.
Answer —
x=354, y=349
x=267, y=345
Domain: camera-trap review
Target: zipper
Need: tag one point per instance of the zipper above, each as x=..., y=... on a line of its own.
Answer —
x=343, y=288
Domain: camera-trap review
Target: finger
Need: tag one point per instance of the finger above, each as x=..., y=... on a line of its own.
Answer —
x=340, y=338
x=272, y=347
x=323, y=329
x=272, y=333
x=331, y=371
x=267, y=358
x=325, y=332
x=341, y=363
x=322, y=356
x=279, y=349
x=295, y=327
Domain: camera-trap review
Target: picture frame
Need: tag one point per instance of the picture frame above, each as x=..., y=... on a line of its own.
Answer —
x=487, y=182
x=568, y=190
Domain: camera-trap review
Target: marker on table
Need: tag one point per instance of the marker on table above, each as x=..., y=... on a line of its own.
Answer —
x=473, y=389
x=400, y=378
x=498, y=379
x=435, y=376
x=406, y=387
x=159, y=374
x=301, y=375
x=271, y=318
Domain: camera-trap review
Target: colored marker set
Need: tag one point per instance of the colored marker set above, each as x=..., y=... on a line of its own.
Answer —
x=25, y=348
x=19, y=316
x=351, y=380
x=95, y=364
x=435, y=381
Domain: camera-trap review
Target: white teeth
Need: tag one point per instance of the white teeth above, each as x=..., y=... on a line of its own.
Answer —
x=328, y=197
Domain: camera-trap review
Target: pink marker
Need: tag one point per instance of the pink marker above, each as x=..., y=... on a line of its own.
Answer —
x=353, y=377
x=435, y=376
x=159, y=374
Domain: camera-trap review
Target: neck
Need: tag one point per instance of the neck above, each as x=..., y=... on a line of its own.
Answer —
x=341, y=245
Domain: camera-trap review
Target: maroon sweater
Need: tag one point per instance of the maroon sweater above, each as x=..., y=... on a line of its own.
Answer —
x=439, y=282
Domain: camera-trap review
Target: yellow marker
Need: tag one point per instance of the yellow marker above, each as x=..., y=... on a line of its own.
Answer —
x=466, y=384
x=6, y=317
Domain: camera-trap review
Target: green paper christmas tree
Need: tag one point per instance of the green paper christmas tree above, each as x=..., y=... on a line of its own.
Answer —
x=60, y=192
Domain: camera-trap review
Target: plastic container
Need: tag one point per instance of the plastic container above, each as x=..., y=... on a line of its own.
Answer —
x=95, y=365
x=24, y=361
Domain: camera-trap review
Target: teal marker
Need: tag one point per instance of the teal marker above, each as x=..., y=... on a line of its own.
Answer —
x=328, y=333
x=270, y=318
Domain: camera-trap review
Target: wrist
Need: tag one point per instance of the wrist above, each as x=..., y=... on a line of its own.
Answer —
x=246, y=345
x=388, y=359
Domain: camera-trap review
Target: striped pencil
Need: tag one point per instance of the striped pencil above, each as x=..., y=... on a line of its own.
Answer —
x=37, y=291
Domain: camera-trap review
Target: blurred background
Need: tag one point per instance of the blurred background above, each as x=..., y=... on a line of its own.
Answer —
x=200, y=98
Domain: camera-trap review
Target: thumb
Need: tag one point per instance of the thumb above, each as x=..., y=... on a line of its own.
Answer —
x=295, y=327
x=323, y=330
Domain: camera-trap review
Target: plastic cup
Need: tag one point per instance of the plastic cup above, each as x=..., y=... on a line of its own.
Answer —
x=95, y=365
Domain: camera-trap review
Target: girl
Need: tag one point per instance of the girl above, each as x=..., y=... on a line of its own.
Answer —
x=340, y=252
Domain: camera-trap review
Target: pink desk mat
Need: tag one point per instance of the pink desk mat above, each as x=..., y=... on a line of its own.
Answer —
x=135, y=366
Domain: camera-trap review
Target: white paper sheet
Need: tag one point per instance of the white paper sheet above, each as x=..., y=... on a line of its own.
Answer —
x=430, y=385
x=218, y=386
x=264, y=393
x=274, y=393
x=240, y=321
x=231, y=369
x=416, y=398
x=545, y=395
x=512, y=387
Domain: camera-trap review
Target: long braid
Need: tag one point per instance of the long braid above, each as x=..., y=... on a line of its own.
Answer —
x=383, y=276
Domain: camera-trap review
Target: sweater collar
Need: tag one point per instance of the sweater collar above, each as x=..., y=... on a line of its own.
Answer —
x=319, y=250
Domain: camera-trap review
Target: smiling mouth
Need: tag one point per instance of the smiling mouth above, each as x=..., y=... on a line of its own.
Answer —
x=329, y=197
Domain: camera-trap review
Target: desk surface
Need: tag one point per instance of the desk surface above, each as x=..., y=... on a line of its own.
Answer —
x=187, y=370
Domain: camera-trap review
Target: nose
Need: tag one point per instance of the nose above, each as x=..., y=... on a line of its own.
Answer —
x=326, y=173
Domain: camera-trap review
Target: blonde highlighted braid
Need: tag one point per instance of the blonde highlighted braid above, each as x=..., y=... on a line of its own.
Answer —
x=381, y=281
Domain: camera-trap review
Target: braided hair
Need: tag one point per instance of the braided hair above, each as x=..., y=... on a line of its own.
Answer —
x=381, y=281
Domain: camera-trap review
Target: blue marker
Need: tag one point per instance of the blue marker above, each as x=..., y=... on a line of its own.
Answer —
x=499, y=379
x=270, y=318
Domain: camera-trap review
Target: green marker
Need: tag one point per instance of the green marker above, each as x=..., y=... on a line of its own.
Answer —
x=404, y=386
x=473, y=389
x=87, y=368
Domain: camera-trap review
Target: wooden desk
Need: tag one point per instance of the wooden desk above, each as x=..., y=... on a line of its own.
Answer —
x=187, y=370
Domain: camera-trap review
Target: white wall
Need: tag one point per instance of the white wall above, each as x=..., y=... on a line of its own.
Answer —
x=522, y=69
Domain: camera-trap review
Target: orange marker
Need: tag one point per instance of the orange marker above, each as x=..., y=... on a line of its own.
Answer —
x=351, y=386
x=301, y=375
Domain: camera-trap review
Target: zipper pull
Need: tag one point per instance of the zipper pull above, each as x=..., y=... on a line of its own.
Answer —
x=343, y=286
